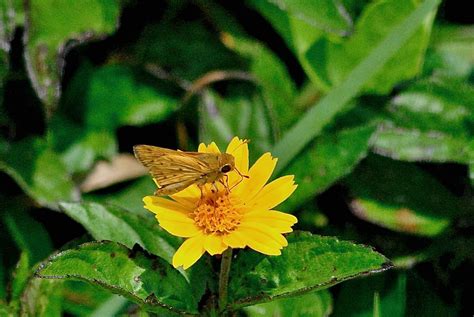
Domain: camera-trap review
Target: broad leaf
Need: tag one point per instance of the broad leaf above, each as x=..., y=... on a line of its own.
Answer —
x=330, y=157
x=29, y=235
x=384, y=195
x=322, y=113
x=308, y=263
x=186, y=49
x=277, y=86
x=108, y=222
x=430, y=121
x=130, y=197
x=39, y=171
x=118, y=96
x=51, y=25
x=218, y=122
x=317, y=304
x=142, y=278
x=336, y=60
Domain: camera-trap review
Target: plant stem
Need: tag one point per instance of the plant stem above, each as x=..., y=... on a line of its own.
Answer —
x=224, y=278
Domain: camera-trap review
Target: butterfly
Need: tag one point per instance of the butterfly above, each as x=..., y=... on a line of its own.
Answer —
x=174, y=171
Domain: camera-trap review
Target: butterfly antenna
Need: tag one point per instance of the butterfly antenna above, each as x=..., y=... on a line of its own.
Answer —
x=244, y=141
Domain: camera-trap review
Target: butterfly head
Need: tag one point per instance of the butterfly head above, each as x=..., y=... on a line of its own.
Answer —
x=226, y=163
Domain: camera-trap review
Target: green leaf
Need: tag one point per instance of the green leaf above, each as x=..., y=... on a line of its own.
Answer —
x=356, y=298
x=317, y=304
x=42, y=298
x=311, y=124
x=430, y=121
x=384, y=195
x=81, y=299
x=452, y=48
x=218, y=122
x=39, y=171
x=330, y=157
x=118, y=96
x=29, y=235
x=117, y=224
x=50, y=27
x=20, y=277
x=416, y=146
x=336, y=60
x=80, y=147
x=108, y=222
x=436, y=105
x=130, y=197
x=142, y=278
x=278, y=87
x=308, y=263
x=188, y=49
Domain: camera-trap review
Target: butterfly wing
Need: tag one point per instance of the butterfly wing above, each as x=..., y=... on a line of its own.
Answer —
x=172, y=170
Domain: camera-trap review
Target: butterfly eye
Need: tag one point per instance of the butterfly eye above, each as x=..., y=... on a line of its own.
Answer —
x=226, y=168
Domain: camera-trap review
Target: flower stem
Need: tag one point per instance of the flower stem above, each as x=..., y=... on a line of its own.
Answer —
x=224, y=278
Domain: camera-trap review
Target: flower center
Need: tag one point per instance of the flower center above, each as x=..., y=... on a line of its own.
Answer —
x=216, y=213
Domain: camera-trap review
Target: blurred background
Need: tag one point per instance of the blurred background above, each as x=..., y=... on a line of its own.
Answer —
x=81, y=82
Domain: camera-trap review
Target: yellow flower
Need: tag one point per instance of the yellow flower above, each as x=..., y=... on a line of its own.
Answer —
x=221, y=219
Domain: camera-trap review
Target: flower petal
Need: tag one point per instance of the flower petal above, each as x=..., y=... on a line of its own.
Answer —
x=239, y=149
x=259, y=242
x=214, y=245
x=158, y=204
x=258, y=174
x=202, y=148
x=274, y=193
x=235, y=240
x=273, y=237
x=189, y=252
x=183, y=230
x=188, y=197
x=277, y=220
x=212, y=148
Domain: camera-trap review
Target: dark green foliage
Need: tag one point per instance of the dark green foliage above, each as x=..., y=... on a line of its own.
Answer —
x=369, y=104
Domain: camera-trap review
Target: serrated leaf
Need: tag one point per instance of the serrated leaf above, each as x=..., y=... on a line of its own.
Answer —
x=417, y=204
x=51, y=26
x=317, y=304
x=142, y=278
x=330, y=157
x=333, y=61
x=118, y=96
x=391, y=295
x=39, y=171
x=308, y=263
x=108, y=222
x=117, y=224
